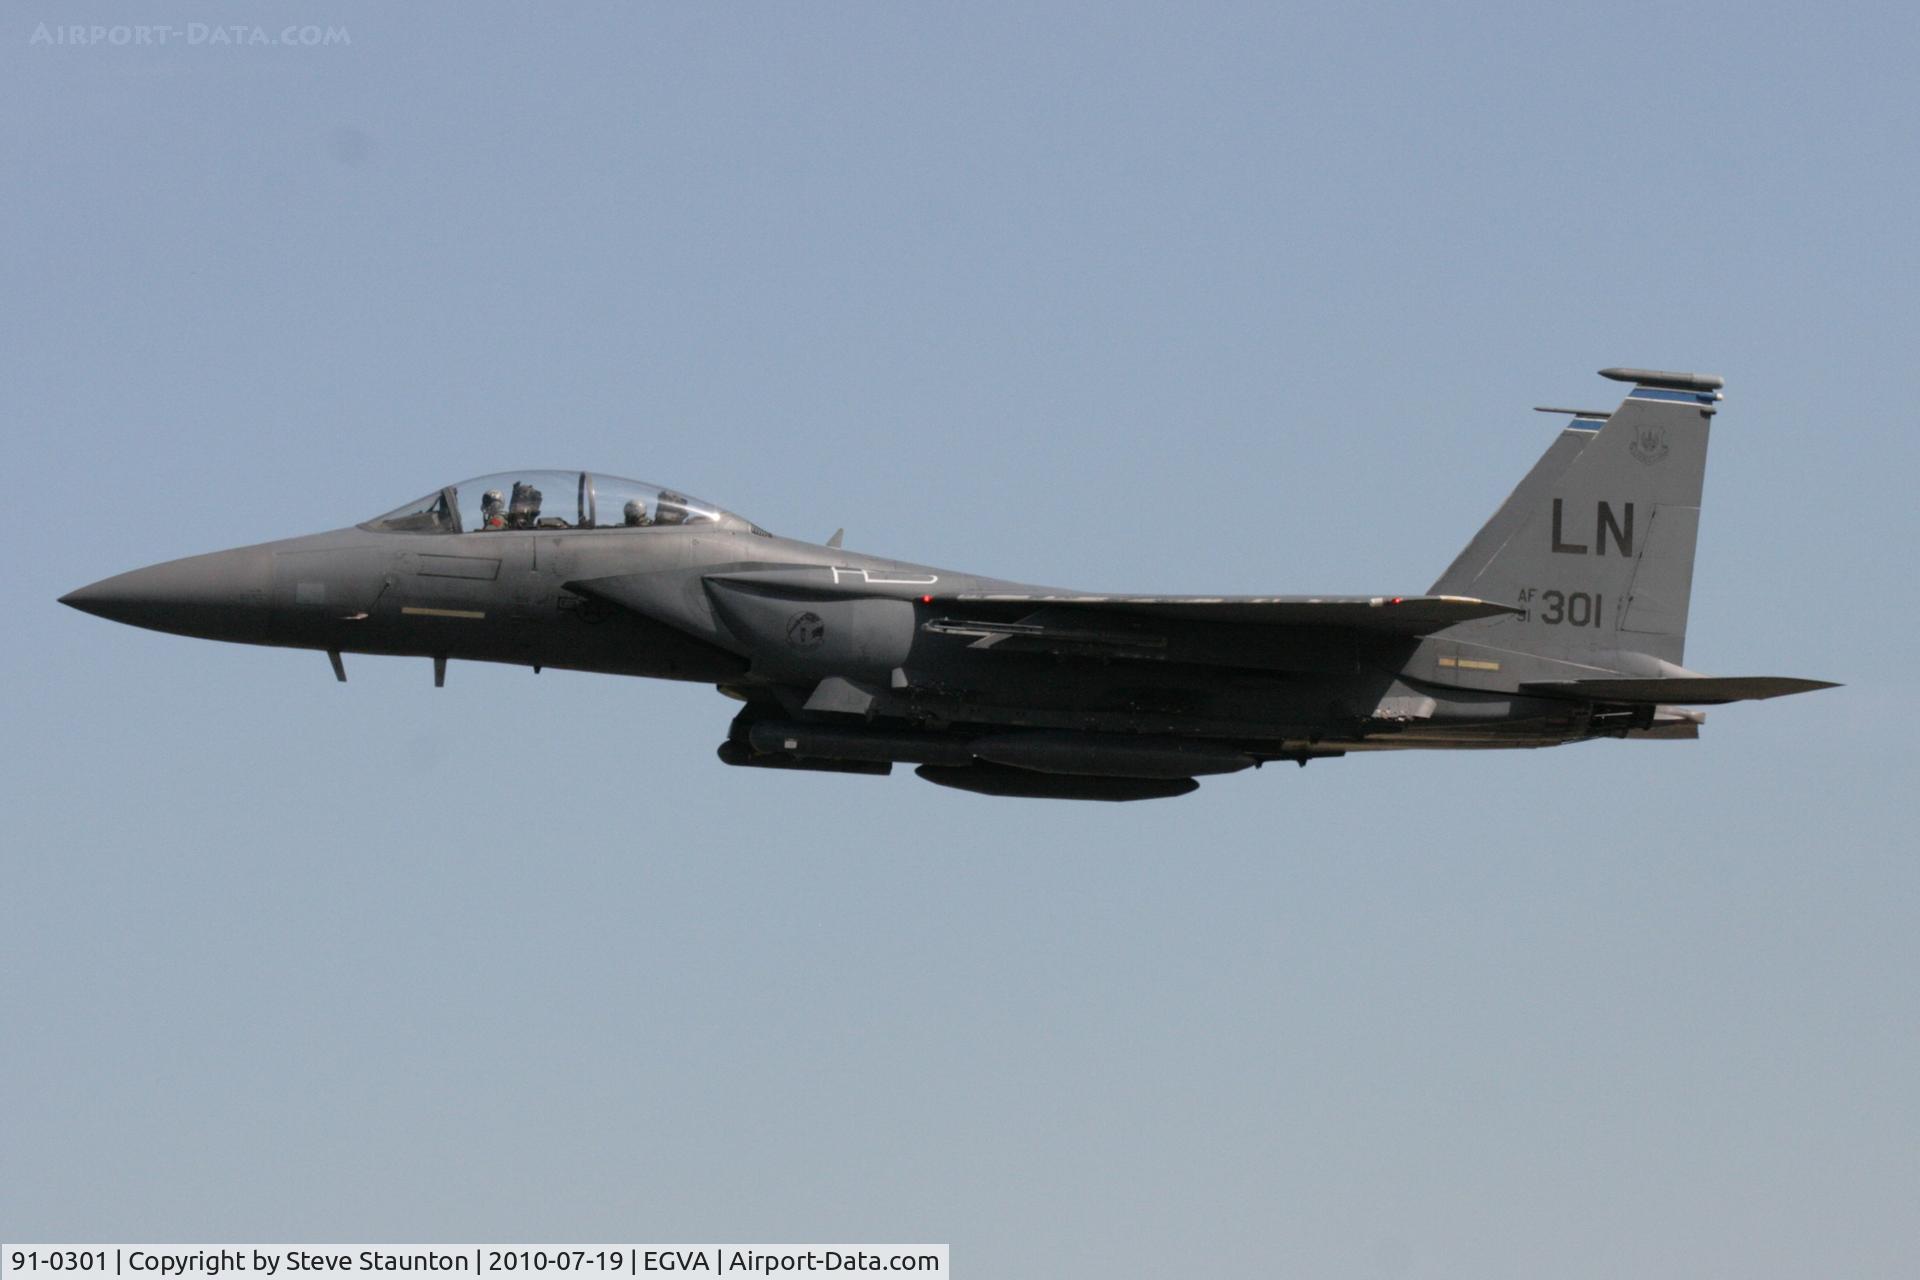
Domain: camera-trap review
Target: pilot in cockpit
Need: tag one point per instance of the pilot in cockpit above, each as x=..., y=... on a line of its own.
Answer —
x=636, y=514
x=524, y=509
x=493, y=510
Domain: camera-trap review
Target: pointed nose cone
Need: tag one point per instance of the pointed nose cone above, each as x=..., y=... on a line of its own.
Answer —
x=222, y=596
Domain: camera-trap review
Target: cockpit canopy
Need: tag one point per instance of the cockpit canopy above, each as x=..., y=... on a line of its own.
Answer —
x=554, y=500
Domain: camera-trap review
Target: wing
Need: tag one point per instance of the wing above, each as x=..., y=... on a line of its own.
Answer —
x=1294, y=633
x=1298, y=633
x=1389, y=615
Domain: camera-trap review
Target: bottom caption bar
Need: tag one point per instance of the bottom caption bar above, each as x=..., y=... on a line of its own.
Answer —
x=204, y=1261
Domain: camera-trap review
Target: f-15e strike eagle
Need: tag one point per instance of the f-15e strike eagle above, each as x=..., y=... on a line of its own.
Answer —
x=1562, y=620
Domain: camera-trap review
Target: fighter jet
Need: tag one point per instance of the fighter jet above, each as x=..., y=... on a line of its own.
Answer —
x=1563, y=620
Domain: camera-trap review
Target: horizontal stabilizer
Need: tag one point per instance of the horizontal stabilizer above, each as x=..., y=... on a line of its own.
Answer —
x=1393, y=615
x=1678, y=690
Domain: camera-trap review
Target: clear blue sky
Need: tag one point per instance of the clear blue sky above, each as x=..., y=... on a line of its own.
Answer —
x=1204, y=298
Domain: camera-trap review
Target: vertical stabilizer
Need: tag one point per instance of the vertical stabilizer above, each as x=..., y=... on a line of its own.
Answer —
x=1596, y=544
